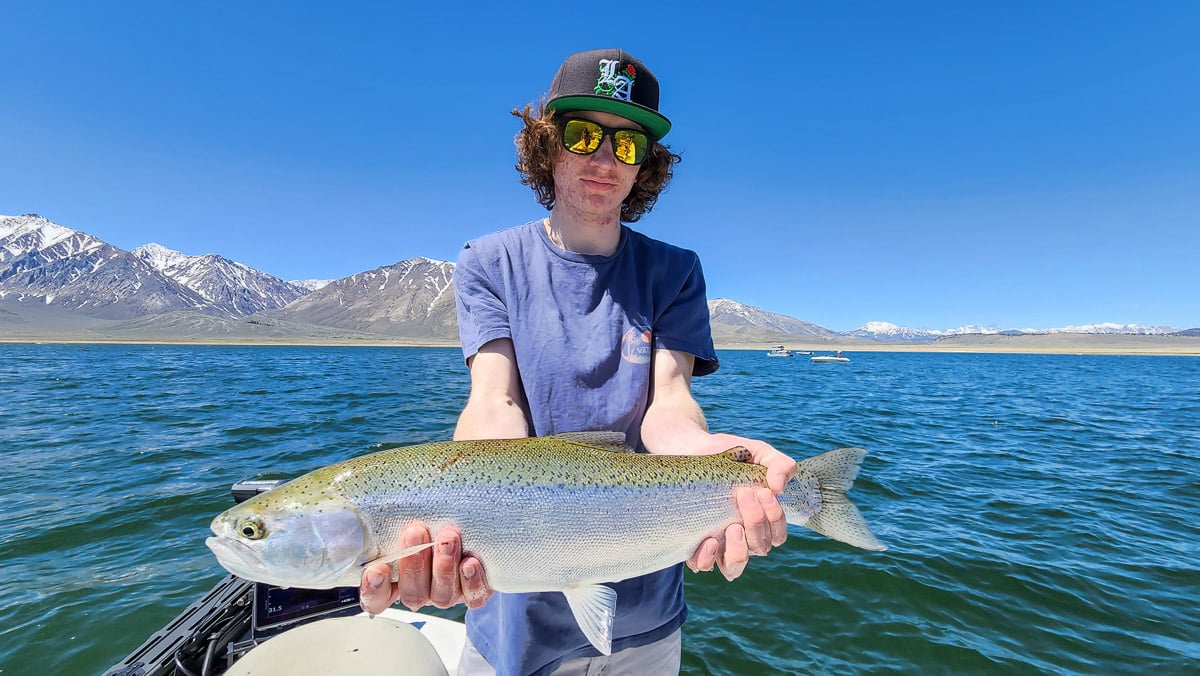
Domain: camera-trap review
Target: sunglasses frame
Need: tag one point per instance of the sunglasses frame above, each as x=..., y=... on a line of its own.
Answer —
x=605, y=132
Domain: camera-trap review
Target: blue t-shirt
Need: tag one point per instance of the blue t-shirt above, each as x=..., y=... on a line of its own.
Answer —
x=583, y=328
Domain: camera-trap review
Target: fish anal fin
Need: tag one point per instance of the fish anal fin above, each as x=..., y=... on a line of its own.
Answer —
x=594, y=606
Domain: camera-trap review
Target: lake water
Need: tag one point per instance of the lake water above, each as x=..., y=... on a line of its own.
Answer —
x=1043, y=511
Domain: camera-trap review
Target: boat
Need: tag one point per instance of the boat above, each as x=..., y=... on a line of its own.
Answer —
x=247, y=627
x=831, y=359
x=780, y=352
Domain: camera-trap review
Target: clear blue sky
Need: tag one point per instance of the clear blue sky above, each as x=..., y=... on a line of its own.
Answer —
x=931, y=164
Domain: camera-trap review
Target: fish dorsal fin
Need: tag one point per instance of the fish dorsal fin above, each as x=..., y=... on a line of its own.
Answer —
x=594, y=606
x=603, y=439
x=737, y=454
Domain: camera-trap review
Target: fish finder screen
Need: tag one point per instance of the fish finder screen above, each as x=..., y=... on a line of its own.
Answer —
x=275, y=606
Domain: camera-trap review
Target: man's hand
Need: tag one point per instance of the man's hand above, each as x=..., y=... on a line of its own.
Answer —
x=439, y=576
x=762, y=526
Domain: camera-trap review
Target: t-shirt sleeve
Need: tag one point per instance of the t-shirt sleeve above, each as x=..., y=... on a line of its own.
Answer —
x=684, y=324
x=479, y=300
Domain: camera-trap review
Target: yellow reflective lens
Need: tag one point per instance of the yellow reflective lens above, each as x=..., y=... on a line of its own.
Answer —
x=629, y=147
x=583, y=137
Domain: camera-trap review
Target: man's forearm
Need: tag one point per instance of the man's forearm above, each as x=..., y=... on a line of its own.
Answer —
x=491, y=418
x=675, y=428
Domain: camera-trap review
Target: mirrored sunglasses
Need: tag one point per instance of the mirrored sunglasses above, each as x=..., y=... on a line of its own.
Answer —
x=583, y=137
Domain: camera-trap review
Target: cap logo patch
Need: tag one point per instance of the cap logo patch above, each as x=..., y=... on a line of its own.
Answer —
x=617, y=84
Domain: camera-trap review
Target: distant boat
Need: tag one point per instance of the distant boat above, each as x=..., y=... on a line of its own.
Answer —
x=780, y=352
x=831, y=359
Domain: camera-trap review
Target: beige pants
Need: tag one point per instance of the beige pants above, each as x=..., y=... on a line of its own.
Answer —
x=656, y=659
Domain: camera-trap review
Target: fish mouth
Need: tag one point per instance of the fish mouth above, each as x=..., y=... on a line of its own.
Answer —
x=237, y=558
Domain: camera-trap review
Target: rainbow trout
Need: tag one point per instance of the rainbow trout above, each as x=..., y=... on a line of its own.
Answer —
x=562, y=513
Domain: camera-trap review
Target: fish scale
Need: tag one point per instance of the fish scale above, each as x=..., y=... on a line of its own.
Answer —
x=560, y=513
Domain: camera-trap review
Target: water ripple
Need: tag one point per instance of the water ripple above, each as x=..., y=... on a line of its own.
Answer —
x=1043, y=511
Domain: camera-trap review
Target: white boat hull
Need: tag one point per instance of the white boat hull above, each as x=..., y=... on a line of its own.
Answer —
x=396, y=641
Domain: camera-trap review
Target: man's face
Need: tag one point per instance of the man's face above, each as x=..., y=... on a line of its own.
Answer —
x=596, y=183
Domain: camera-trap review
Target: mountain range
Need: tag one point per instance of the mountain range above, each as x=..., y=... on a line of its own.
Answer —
x=56, y=282
x=883, y=331
x=224, y=284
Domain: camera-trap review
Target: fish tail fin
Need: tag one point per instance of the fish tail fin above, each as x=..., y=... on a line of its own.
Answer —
x=820, y=501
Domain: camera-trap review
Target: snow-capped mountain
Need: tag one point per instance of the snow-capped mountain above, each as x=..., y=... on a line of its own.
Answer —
x=160, y=257
x=230, y=285
x=51, y=271
x=43, y=262
x=310, y=284
x=20, y=235
x=730, y=313
x=884, y=331
x=412, y=298
x=1110, y=328
x=888, y=331
x=972, y=330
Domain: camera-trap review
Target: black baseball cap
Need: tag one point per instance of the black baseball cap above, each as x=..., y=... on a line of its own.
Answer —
x=608, y=81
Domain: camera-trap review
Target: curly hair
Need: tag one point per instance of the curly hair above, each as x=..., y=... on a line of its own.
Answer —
x=538, y=145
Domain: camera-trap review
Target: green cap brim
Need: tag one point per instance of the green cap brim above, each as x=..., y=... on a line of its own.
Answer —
x=652, y=121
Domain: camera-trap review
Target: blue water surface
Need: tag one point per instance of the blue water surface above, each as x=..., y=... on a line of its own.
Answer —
x=1043, y=511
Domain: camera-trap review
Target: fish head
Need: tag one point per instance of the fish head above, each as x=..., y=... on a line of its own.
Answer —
x=315, y=543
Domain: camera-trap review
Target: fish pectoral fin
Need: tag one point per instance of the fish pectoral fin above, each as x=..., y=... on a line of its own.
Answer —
x=594, y=606
x=407, y=551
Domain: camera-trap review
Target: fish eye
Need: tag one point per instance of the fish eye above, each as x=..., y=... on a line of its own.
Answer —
x=251, y=529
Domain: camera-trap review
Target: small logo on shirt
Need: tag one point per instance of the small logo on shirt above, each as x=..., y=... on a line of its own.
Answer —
x=635, y=346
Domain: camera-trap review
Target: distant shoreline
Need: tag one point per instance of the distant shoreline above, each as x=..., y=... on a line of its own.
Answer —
x=1114, y=344
x=1059, y=343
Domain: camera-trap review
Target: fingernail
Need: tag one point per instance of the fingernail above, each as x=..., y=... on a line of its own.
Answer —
x=446, y=548
x=468, y=572
x=375, y=579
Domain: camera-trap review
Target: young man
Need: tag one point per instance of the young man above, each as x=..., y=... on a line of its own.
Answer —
x=576, y=322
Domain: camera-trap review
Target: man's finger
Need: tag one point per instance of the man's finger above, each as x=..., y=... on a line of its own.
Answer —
x=779, y=472
x=375, y=590
x=705, y=556
x=754, y=521
x=736, y=555
x=774, y=513
x=444, y=590
x=474, y=583
x=415, y=570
